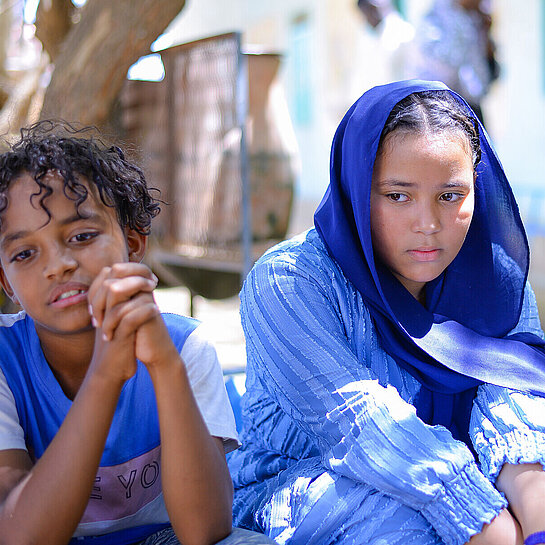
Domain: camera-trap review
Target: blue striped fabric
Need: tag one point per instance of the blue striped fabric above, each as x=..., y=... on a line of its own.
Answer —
x=333, y=451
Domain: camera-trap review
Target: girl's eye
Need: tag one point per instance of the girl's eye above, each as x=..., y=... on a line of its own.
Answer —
x=21, y=256
x=397, y=197
x=451, y=197
x=84, y=237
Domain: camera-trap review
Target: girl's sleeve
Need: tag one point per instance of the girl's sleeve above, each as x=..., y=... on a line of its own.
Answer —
x=296, y=338
x=509, y=426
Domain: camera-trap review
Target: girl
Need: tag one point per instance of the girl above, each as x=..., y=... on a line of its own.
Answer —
x=394, y=351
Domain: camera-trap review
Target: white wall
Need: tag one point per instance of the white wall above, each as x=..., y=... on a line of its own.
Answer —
x=516, y=106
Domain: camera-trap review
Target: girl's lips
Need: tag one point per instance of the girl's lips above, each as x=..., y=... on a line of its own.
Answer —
x=424, y=255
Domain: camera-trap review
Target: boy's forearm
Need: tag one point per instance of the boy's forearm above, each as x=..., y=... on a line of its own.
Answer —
x=48, y=504
x=524, y=488
x=197, y=486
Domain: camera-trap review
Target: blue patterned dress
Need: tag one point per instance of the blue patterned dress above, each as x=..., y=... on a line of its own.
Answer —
x=333, y=451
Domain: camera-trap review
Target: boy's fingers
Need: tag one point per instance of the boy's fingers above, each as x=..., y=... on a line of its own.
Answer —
x=114, y=291
x=124, y=319
x=121, y=270
x=96, y=296
x=122, y=289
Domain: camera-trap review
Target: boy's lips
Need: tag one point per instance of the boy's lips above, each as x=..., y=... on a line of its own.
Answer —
x=68, y=294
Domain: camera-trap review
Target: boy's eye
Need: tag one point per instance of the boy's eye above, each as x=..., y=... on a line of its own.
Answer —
x=84, y=237
x=397, y=197
x=21, y=256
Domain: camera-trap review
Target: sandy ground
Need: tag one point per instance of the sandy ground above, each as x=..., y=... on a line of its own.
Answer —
x=220, y=317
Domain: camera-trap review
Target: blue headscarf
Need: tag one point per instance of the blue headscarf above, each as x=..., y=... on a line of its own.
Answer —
x=461, y=338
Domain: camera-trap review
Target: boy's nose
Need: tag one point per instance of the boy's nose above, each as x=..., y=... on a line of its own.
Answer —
x=59, y=262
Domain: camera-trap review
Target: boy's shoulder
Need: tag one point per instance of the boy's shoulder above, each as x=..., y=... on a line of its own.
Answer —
x=8, y=320
x=179, y=327
x=18, y=346
x=13, y=329
x=17, y=331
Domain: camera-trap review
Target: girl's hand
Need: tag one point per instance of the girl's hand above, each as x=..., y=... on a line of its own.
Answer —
x=503, y=530
x=524, y=488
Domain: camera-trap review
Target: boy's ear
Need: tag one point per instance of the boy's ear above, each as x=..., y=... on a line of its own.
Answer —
x=136, y=244
x=7, y=288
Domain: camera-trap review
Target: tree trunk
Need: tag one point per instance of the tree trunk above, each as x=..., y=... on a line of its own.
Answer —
x=53, y=22
x=14, y=113
x=6, y=28
x=93, y=61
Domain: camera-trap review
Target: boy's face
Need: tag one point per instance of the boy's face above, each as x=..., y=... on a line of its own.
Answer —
x=48, y=264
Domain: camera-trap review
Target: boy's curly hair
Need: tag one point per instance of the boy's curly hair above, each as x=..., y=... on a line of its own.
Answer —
x=58, y=146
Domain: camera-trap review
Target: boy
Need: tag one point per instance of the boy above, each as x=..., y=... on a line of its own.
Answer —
x=101, y=431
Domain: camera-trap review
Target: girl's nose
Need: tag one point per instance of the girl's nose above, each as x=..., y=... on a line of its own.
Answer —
x=426, y=220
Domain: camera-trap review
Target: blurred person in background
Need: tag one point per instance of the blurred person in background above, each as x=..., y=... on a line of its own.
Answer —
x=454, y=45
x=386, y=50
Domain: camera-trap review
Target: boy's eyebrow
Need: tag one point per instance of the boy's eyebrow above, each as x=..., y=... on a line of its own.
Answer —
x=11, y=237
x=83, y=215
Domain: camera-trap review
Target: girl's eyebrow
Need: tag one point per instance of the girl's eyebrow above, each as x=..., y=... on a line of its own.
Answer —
x=455, y=185
x=395, y=183
x=400, y=183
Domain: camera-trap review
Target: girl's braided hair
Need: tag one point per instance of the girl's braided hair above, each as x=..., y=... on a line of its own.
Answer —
x=434, y=112
x=72, y=153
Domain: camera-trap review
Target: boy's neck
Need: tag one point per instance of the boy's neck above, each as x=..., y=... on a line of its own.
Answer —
x=68, y=357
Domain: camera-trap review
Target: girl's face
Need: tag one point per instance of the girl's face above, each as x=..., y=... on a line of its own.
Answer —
x=422, y=201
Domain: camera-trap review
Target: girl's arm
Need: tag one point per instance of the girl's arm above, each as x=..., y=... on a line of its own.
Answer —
x=196, y=483
x=299, y=317
x=508, y=432
x=503, y=529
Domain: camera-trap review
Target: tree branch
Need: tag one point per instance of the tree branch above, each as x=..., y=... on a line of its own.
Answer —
x=93, y=61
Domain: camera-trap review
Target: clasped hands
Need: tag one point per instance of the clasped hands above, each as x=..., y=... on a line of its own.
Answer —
x=127, y=320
